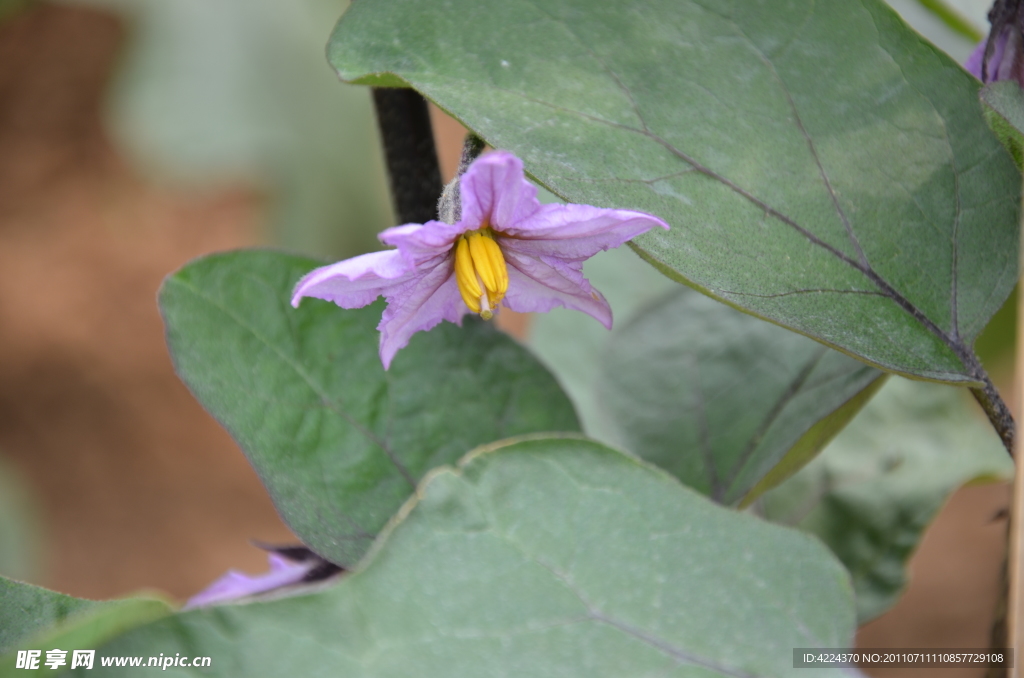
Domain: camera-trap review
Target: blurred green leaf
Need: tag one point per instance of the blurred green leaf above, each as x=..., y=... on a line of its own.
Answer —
x=951, y=40
x=27, y=610
x=997, y=345
x=573, y=344
x=214, y=92
x=870, y=495
x=20, y=528
x=1003, y=104
x=821, y=165
x=636, y=387
x=719, y=398
x=545, y=557
x=338, y=441
x=34, y=617
x=953, y=18
x=9, y=8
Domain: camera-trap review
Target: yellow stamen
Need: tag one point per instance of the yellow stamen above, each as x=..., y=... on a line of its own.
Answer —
x=480, y=272
x=469, y=285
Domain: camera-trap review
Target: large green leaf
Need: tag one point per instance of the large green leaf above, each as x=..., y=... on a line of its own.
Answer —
x=36, y=618
x=729, y=404
x=820, y=164
x=339, y=442
x=870, y=495
x=547, y=557
x=719, y=398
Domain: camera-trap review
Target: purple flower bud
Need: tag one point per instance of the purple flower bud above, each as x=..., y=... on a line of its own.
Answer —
x=289, y=566
x=1001, y=55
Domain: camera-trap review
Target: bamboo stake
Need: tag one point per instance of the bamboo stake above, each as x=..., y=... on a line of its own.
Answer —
x=1015, y=556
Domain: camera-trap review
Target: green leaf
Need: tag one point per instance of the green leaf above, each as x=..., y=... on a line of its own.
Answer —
x=820, y=164
x=1004, y=111
x=545, y=557
x=20, y=527
x=36, y=618
x=339, y=442
x=870, y=495
x=27, y=610
x=719, y=398
x=573, y=345
x=765, y=403
x=227, y=91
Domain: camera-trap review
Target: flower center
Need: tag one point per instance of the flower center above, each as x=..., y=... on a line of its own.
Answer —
x=480, y=271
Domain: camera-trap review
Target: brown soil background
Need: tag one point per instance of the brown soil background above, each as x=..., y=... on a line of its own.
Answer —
x=139, y=488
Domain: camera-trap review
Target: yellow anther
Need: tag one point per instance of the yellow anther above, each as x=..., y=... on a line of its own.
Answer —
x=480, y=272
x=465, y=275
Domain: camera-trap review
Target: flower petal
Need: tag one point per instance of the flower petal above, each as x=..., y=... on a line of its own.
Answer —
x=539, y=285
x=421, y=242
x=419, y=304
x=234, y=584
x=575, y=232
x=495, y=190
x=1004, y=56
x=974, y=61
x=1000, y=64
x=355, y=282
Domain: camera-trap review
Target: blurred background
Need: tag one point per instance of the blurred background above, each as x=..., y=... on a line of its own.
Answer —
x=138, y=134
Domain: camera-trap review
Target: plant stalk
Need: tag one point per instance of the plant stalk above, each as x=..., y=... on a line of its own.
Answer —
x=997, y=412
x=408, y=139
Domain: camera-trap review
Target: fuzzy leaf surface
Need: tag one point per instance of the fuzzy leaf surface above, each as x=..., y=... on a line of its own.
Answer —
x=545, y=557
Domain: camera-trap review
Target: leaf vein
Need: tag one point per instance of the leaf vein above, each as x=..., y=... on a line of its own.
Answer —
x=325, y=398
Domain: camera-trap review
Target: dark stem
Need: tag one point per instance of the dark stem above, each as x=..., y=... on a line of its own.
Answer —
x=408, y=138
x=996, y=411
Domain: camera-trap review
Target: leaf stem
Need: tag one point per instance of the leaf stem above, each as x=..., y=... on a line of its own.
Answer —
x=408, y=139
x=953, y=19
x=996, y=411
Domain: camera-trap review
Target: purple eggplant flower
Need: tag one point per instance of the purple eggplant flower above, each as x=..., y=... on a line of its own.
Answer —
x=1004, y=63
x=506, y=249
x=289, y=567
x=235, y=584
x=1001, y=55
